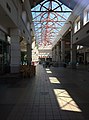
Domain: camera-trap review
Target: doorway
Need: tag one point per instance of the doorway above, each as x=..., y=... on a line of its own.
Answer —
x=4, y=57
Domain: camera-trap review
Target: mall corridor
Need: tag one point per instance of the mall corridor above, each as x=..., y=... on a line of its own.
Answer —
x=55, y=93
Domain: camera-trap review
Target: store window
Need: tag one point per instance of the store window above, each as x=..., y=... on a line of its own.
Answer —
x=79, y=47
x=4, y=53
x=77, y=24
x=86, y=15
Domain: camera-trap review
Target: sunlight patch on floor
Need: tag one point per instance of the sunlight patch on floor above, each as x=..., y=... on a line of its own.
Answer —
x=53, y=80
x=65, y=101
x=49, y=71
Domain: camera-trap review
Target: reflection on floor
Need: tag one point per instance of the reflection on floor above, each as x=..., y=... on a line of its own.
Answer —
x=61, y=95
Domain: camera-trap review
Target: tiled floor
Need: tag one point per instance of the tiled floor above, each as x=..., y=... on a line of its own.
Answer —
x=53, y=94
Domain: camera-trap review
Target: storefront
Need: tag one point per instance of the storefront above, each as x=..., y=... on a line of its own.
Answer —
x=4, y=53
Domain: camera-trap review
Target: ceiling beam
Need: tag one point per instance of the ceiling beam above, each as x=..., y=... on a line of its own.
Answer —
x=53, y=11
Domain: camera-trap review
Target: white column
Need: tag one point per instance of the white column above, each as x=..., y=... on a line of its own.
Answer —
x=62, y=51
x=73, y=52
x=15, y=51
x=58, y=55
x=85, y=57
x=53, y=54
x=29, y=54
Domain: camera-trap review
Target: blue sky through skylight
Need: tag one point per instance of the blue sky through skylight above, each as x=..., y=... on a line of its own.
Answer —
x=48, y=24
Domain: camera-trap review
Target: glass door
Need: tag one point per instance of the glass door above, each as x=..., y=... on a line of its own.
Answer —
x=1, y=57
x=4, y=57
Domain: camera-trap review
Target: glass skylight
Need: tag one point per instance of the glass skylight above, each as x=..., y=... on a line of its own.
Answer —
x=49, y=17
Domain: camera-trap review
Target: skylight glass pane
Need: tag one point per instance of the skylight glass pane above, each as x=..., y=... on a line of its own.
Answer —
x=48, y=24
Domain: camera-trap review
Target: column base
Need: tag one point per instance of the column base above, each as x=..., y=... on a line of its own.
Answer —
x=73, y=65
x=14, y=69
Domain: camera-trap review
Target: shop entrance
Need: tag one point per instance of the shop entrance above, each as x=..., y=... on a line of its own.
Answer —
x=4, y=57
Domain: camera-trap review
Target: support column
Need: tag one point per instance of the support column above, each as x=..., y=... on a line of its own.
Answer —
x=54, y=52
x=85, y=57
x=58, y=56
x=15, y=51
x=73, y=53
x=29, y=54
x=62, y=51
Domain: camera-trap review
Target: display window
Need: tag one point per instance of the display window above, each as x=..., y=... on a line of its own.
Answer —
x=4, y=53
